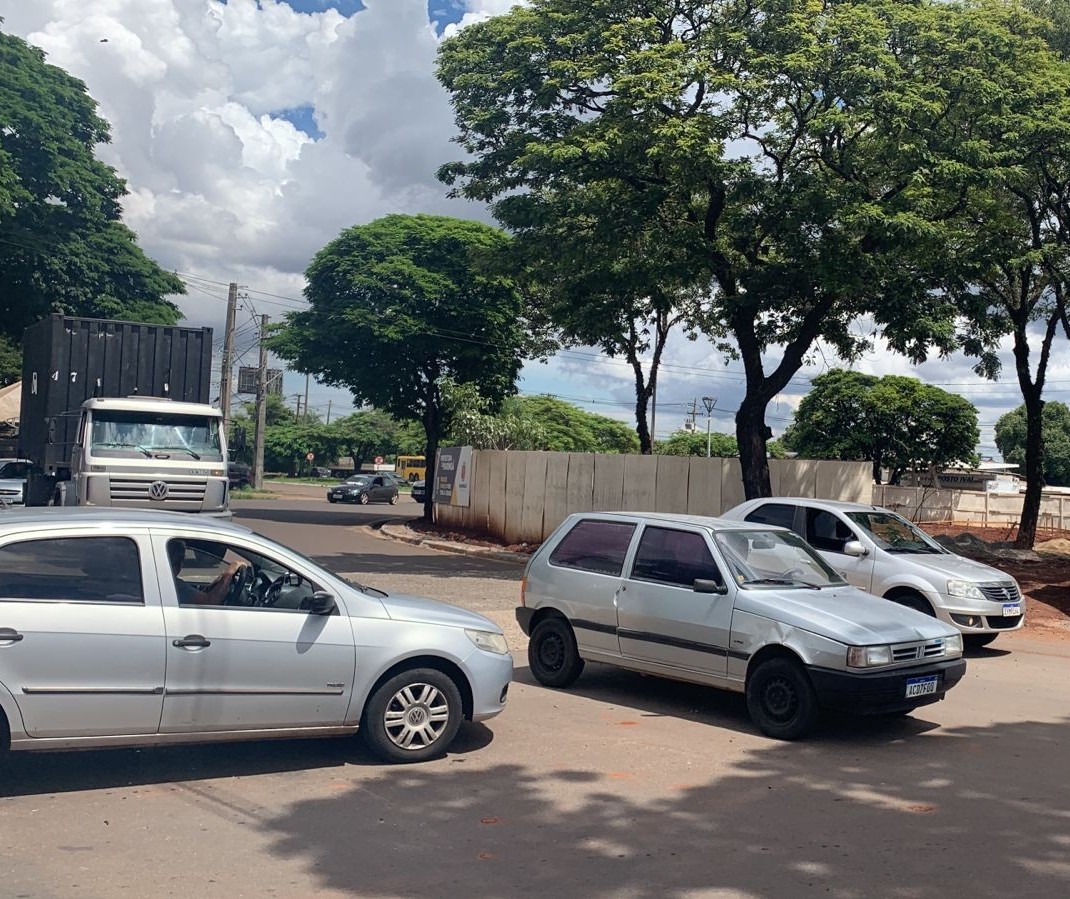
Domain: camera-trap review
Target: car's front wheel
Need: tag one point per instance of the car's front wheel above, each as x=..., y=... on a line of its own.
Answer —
x=331, y=499
x=553, y=656
x=364, y=499
x=413, y=717
x=394, y=500
x=781, y=700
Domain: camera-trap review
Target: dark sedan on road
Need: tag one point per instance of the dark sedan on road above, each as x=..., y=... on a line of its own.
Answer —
x=419, y=491
x=364, y=489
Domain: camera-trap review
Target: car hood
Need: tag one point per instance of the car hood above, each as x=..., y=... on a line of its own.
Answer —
x=418, y=609
x=954, y=566
x=845, y=614
x=12, y=482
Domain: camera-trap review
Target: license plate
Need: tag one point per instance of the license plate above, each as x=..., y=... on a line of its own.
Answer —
x=921, y=686
x=1011, y=608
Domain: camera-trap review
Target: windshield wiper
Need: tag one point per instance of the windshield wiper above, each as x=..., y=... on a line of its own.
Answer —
x=180, y=449
x=132, y=446
x=786, y=581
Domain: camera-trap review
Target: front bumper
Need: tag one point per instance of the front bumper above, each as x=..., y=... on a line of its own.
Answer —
x=489, y=675
x=882, y=691
x=980, y=617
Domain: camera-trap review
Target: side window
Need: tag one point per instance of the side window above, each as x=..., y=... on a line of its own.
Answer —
x=826, y=531
x=72, y=569
x=674, y=557
x=211, y=573
x=596, y=546
x=15, y=470
x=779, y=514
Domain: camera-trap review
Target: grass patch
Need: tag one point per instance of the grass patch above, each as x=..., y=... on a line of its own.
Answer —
x=252, y=493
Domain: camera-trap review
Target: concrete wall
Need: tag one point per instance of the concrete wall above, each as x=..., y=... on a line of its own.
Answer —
x=520, y=497
x=926, y=504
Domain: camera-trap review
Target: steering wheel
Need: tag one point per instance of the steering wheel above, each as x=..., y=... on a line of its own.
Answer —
x=270, y=594
x=238, y=583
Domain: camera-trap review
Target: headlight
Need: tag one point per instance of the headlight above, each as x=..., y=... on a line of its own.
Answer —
x=965, y=589
x=953, y=645
x=868, y=656
x=489, y=641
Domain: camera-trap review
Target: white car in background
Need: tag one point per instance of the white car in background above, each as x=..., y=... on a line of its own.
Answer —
x=882, y=553
x=13, y=475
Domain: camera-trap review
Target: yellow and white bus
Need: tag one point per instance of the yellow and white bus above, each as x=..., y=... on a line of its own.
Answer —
x=411, y=468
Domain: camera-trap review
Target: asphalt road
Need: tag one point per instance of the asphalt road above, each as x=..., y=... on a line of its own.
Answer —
x=623, y=786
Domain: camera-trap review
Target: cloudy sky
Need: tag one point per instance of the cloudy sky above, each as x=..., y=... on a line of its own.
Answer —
x=251, y=133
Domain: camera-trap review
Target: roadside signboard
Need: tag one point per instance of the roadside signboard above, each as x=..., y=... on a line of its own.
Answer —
x=453, y=475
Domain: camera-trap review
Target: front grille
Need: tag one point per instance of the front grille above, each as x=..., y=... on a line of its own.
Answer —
x=1000, y=622
x=137, y=491
x=1005, y=591
x=909, y=652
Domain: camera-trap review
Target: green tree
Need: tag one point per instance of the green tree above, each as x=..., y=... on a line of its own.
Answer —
x=570, y=429
x=402, y=303
x=1011, y=438
x=63, y=247
x=287, y=444
x=10, y=361
x=803, y=165
x=693, y=443
x=364, y=435
x=899, y=423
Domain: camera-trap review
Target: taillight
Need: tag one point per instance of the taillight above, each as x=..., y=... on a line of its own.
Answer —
x=523, y=590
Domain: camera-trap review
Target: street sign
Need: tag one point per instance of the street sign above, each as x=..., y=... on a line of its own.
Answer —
x=247, y=378
x=310, y=456
x=378, y=460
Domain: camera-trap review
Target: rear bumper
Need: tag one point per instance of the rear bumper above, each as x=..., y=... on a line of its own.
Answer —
x=877, y=692
x=523, y=618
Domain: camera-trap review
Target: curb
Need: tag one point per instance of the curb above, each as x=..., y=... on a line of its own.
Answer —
x=462, y=549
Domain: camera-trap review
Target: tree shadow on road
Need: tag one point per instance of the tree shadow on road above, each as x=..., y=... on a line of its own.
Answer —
x=983, y=811
x=425, y=563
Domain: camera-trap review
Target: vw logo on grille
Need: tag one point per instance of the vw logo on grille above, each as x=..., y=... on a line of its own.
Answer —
x=158, y=490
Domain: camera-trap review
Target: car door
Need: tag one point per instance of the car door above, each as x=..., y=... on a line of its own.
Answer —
x=244, y=666
x=380, y=492
x=828, y=533
x=81, y=633
x=660, y=616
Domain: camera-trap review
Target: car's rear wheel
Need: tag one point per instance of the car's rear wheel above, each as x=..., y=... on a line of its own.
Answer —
x=553, y=656
x=414, y=716
x=781, y=700
x=976, y=641
x=394, y=500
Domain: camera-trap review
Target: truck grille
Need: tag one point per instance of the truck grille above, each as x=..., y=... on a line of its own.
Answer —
x=909, y=652
x=1005, y=591
x=137, y=491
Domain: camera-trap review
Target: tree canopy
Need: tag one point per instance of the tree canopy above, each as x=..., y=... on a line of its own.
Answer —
x=1011, y=440
x=402, y=303
x=801, y=166
x=899, y=423
x=63, y=247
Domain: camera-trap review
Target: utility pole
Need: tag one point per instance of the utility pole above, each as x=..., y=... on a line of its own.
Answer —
x=261, y=408
x=228, y=354
x=306, y=395
x=328, y=411
x=709, y=402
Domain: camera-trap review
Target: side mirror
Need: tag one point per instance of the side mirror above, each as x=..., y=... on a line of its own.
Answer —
x=321, y=603
x=704, y=585
x=854, y=548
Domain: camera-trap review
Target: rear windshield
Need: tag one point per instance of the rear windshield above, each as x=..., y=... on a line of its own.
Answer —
x=595, y=546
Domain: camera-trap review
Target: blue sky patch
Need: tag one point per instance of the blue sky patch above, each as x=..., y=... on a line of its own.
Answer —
x=345, y=7
x=302, y=118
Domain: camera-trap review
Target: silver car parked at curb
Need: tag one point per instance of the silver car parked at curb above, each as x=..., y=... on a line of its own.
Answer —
x=743, y=607
x=136, y=628
x=882, y=553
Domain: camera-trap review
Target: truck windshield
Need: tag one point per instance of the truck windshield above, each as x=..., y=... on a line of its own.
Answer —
x=134, y=433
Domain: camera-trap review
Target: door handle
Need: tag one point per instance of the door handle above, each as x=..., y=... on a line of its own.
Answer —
x=193, y=641
x=10, y=635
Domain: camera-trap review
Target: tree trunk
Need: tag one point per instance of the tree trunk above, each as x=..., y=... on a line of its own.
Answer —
x=1034, y=470
x=432, y=426
x=751, y=435
x=642, y=402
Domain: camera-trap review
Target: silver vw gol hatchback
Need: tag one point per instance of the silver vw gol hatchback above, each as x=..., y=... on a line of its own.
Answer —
x=136, y=628
x=743, y=607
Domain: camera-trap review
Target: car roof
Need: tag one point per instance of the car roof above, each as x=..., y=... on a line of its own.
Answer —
x=59, y=516
x=705, y=521
x=818, y=503
x=143, y=403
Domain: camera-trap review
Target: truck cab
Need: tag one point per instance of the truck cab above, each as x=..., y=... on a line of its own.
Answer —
x=149, y=453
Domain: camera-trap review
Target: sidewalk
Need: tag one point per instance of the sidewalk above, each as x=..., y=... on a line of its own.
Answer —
x=407, y=535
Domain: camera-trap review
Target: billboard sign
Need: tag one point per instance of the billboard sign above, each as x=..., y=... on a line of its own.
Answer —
x=453, y=476
x=247, y=378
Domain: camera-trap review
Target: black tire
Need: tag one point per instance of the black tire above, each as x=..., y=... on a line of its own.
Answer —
x=331, y=499
x=364, y=499
x=552, y=654
x=976, y=641
x=394, y=500
x=781, y=700
x=421, y=683
x=915, y=602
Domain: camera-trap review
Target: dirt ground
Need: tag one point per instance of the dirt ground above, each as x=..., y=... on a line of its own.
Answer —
x=1044, y=576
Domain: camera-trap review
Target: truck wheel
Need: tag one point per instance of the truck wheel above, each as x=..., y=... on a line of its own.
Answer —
x=781, y=700
x=552, y=654
x=413, y=717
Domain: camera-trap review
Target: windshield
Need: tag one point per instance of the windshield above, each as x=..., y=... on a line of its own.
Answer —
x=358, y=479
x=130, y=433
x=774, y=559
x=363, y=588
x=894, y=533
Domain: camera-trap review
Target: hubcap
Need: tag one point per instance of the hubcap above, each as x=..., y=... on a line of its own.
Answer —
x=780, y=698
x=552, y=652
x=416, y=716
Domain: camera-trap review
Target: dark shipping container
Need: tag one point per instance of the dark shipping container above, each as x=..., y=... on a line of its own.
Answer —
x=68, y=360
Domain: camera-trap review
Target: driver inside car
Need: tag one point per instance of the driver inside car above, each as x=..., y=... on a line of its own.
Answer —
x=212, y=594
